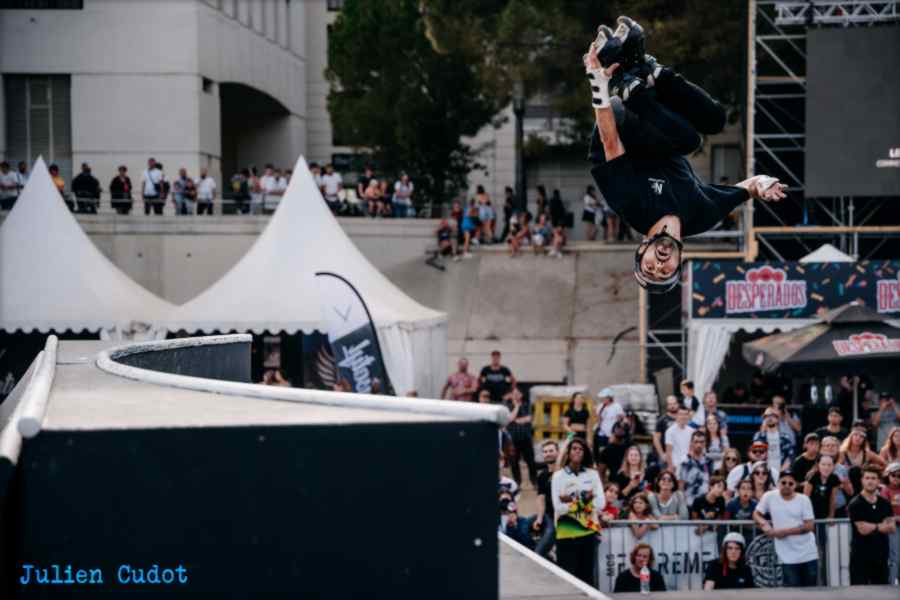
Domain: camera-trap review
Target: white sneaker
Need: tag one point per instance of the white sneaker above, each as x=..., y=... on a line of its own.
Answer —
x=457, y=258
x=467, y=255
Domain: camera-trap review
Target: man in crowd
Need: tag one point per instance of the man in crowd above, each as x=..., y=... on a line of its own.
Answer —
x=610, y=458
x=9, y=187
x=462, y=385
x=687, y=396
x=833, y=429
x=520, y=430
x=60, y=184
x=543, y=520
x=757, y=452
x=184, y=203
x=332, y=184
x=792, y=529
x=678, y=439
x=711, y=505
x=206, y=192
x=403, y=191
x=120, y=191
x=788, y=424
x=609, y=412
x=269, y=184
x=22, y=174
x=87, y=190
x=151, y=182
x=662, y=425
x=495, y=377
x=710, y=406
x=891, y=493
x=741, y=507
x=779, y=446
x=806, y=461
x=694, y=472
x=872, y=519
x=362, y=183
x=885, y=418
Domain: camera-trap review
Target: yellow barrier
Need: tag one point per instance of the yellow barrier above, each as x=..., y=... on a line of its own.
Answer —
x=547, y=417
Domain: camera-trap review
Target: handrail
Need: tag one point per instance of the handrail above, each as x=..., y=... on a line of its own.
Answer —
x=106, y=361
x=34, y=400
x=10, y=438
x=714, y=523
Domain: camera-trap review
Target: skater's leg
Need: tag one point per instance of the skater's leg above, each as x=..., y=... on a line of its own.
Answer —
x=690, y=101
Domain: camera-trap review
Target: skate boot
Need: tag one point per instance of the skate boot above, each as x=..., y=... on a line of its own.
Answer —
x=631, y=35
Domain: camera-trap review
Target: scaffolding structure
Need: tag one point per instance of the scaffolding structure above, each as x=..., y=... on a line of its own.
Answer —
x=775, y=121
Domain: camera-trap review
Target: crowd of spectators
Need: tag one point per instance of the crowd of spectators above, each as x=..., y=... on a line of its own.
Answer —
x=374, y=196
x=690, y=471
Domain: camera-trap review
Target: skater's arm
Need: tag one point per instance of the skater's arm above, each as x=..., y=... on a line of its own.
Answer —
x=609, y=133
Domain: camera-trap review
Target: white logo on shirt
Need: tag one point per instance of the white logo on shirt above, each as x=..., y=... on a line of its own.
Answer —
x=656, y=185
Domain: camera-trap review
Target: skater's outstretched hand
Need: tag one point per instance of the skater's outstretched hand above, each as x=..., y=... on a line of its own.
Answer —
x=764, y=187
x=598, y=76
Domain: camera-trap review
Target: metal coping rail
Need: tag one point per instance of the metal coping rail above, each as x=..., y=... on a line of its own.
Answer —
x=10, y=438
x=106, y=361
x=33, y=404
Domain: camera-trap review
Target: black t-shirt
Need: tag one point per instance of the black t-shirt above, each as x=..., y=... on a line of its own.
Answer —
x=577, y=416
x=691, y=402
x=823, y=432
x=364, y=182
x=543, y=488
x=643, y=486
x=495, y=381
x=443, y=234
x=627, y=582
x=734, y=579
x=801, y=467
x=643, y=191
x=820, y=495
x=706, y=510
x=612, y=456
x=875, y=545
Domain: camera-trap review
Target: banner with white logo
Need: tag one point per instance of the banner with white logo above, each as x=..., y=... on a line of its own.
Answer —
x=354, y=341
x=777, y=290
x=682, y=554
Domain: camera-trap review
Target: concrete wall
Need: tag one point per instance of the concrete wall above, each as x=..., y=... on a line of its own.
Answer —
x=496, y=143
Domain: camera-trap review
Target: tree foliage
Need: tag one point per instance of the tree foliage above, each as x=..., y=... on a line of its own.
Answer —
x=394, y=94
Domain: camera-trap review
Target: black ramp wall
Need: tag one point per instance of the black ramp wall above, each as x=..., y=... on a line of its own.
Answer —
x=346, y=511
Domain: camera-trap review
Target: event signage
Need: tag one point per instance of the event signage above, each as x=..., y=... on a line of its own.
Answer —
x=736, y=290
x=354, y=341
x=866, y=343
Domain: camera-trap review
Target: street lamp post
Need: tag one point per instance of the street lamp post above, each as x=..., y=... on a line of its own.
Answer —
x=518, y=100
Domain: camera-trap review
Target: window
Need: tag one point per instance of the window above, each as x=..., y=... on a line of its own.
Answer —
x=43, y=4
x=39, y=119
x=335, y=5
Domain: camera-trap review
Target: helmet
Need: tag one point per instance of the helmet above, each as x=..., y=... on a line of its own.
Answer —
x=735, y=537
x=654, y=286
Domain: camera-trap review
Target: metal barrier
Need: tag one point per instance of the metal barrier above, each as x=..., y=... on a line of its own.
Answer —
x=682, y=554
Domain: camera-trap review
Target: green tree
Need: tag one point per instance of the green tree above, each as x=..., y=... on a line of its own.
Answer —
x=393, y=93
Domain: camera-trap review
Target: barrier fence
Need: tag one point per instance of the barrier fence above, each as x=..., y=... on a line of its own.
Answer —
x=682, y=554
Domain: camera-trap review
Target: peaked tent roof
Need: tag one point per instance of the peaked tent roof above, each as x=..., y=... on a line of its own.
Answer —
x=52, y=277
x=273, y=288
x=826, y=253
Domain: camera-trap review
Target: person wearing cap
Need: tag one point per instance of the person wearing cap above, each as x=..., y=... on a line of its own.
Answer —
x=834, y=429
x=885, y=418
x=778, y=444
x=609, y=412
x=513, y=525
x=756, y=453
x=872, y=519
x=791, y=528
x=807, y=459
x=730, y=571
x=496, y=378
x=891, y=493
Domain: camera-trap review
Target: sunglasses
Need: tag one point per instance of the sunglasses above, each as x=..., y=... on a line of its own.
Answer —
x=731, y=459
x=787, y=483
x=763, y=473
x=893, y=474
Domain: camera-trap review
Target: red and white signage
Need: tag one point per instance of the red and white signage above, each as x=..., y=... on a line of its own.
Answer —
x=764, y=288
x=866, y=343
x=888, y=295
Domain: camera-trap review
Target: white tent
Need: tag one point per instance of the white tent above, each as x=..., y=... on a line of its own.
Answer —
x=52, y=277
x=272, y=288
x=826, y=253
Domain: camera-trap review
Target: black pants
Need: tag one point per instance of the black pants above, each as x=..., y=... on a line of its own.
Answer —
x=8, y=203
x=665, y=120
x=122, y=206
x=868, y=570
x=523, y=448
x=153, y=203
x=577, y=556
x=204, y=207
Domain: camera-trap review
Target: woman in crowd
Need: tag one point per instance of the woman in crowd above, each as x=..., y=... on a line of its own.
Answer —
x=541, y=233
x=519, y=232
x=716, y=441
x=762, y=479
x=613, y=503
x=575, y=419
x=639, y=510
x=730, y=571
x=387, y=204
x=577, y=499
x=632, y=476
x=373, y=198
x=829, y=447
x=541, y=202
x=730, y=459
x=667, y=502
x=485, y=215
x=509, y=207
x=890, y=452
x=855, y=453
x=629, y=580
x=590, y=216
x=468, y=228
x=822, y=487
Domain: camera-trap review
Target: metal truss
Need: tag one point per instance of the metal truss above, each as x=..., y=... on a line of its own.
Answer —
x=835, y=13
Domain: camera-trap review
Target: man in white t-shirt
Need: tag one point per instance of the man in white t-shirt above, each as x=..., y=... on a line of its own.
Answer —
x=678, y=439
x=269, y=185
x=331, y=188
x=792, y=529
x=402, y=200
x=151, y=183
x=608, y=412
x=206, y=192
x=9, y=187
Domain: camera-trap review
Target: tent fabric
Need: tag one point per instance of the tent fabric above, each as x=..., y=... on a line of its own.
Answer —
x=272, y=288
x=53, y=278
x=828, y=254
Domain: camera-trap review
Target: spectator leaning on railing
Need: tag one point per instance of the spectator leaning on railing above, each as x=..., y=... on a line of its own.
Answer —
x=206, y=192
x=120, y=192
x=891, y=493
x=87, y=190
x=872, y=520
x=9, y=187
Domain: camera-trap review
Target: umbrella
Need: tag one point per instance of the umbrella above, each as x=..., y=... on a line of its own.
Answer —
x=852, y=338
